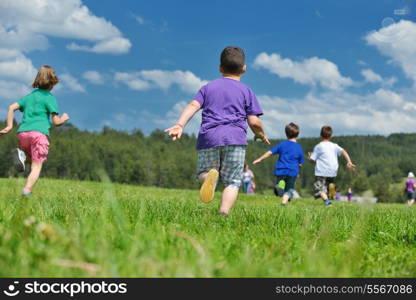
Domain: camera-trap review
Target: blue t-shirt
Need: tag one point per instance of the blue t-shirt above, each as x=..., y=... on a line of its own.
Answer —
x=290, y=157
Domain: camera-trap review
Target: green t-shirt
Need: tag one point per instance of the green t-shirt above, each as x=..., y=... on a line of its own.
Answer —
x=37, y=108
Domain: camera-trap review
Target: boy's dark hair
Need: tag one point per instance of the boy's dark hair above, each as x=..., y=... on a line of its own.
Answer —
x=326, y=132
x=232, y=60
x=292, y=130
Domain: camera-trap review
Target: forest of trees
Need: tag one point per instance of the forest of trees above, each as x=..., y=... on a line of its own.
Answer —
x=132, y=157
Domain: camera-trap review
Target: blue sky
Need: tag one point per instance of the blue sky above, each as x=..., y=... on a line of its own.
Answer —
x=350, y=64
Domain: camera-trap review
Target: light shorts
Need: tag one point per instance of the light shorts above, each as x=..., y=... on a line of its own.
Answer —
x=228, y=160
x=321, y=185
x=35, y=144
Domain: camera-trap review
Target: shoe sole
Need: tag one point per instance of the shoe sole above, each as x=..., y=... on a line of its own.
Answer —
x=19, y=165
x=207, y=190
x=331, y=193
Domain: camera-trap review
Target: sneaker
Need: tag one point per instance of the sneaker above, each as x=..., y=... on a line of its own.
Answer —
x=207, y=190
x=223, y=214
x=26, y=193
x=19, y=158
x=331, y=193
x=328, y=202
x=279, y=189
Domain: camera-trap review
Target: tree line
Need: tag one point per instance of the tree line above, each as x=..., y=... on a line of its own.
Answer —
x=155, y=160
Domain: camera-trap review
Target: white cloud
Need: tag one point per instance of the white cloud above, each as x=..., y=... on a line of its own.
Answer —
x=138, y=19
x=27, y=23
x=118, y=45
x=372, y=77
x=150, y=79
x=381, y=112
x=172, y=116
x=12, y=90
x=93, y=77
x=72, y=83
x=14, y=65
x=311, y=71
x=398, y=41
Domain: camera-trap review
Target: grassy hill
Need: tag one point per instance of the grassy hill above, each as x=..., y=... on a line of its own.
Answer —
x=72, y=228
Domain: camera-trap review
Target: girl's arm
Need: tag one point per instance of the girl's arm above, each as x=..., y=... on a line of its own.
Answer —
x=10, y=117
x=58, y=121
x=264, y=156
x=176, y=130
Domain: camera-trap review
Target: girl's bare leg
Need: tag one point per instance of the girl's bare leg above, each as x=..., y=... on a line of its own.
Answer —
x=34, y=175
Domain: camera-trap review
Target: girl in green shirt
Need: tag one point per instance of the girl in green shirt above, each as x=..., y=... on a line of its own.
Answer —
x=38, y=108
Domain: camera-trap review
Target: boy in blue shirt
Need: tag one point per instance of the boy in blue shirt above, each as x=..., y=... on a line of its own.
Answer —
x=290, y=159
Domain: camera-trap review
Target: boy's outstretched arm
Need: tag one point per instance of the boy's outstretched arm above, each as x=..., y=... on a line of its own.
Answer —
x=176, y=130
x=58, y=121
x=310, y=157
x=257, y=128
x=347, y=157
x=264, y=156
x=10, y=117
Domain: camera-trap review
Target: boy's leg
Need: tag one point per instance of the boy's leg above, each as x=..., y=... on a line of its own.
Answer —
x=229, y=196
x=331, y=191
x=289, y=187
x=231, y=171
x=208, y=186
x=207, y=166
x=279, y=186
x=320, y=189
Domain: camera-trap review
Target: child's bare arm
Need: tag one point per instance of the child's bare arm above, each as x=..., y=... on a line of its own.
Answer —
x=176, y=130
x=264, y=156
x=257, y=127
x=58, y=121
x=10, y=117
x=347, y=157
x=310, y=157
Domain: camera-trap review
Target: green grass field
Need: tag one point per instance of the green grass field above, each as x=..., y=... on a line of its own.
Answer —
x=71, y=228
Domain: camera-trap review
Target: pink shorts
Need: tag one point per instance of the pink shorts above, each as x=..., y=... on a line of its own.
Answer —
x=35, y=144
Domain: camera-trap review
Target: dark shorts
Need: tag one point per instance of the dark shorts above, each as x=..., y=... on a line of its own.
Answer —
x=321, y=185
x=289, y=183
x=410, y=195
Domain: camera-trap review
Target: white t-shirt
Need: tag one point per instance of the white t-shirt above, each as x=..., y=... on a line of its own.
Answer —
x=325, y=154
x=247, y=176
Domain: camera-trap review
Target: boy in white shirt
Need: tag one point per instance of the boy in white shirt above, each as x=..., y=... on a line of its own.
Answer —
x=325, y=155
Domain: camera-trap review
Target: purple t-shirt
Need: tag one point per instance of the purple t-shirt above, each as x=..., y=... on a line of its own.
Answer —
x=410, y=185
x=225, y=104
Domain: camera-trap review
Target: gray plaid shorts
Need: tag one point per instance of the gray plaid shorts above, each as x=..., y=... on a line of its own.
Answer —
x=321, y=185
x=228, y=160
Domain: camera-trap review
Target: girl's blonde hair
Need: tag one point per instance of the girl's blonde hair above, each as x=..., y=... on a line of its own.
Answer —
x=46, y=78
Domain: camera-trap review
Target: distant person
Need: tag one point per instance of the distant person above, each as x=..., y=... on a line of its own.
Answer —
x=338, y=196
x=227, y=106
x=33, y=132
x=349, y=194
x=410, y=188
x=287, y=166
x=252, y=187
x=248, y=179
x=325, y=155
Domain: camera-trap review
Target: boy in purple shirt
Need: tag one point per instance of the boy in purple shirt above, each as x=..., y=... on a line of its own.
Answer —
x=227, y=106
